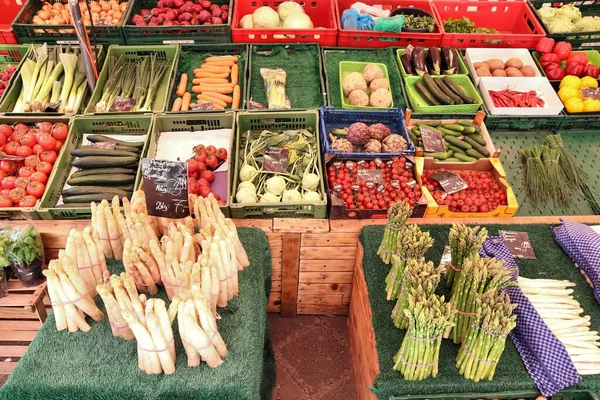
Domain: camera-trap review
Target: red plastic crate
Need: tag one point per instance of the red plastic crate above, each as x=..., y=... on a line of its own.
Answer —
x=10, y=9
x=351, y=38
x=321, y=12
x=514, y=20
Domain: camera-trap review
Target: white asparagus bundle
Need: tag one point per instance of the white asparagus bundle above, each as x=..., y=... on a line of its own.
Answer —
x=119, y=327
x=178, y=267
x=105, y=223
x=69, y=296
x=138, y=205
x=85, y=253
x=220, y=252
x=140, y=262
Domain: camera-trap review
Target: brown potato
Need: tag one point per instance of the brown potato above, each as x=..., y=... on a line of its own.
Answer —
x=483, y=71
x=528, y=70
x=514, y=62
x=513, y=72
x=499, y=72
x=494, y=64
x=477, y=65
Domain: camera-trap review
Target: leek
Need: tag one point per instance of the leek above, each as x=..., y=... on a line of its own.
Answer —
x=56, y=88
x=79, y=95
x=41, y=56
x=69, y=62
x=36, y=106
x=42, y=79
x=70, y=106
x=141, y=83
x=26, y=74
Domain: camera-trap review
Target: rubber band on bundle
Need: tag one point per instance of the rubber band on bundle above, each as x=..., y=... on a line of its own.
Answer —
x=487, y=332
x=424, y=339
x=117, y=238
x=460, y=311
x=156, y=351
x=454, y=268
x=89, y=266
x=417, y=365
x=210, y=342
x=119, y=327
x=69, y=302
x=477, y=358
x=228, y=278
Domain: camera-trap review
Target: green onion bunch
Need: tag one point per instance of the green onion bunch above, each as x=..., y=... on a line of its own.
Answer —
x=465, y=243
x=397, y=215
x=480, y=352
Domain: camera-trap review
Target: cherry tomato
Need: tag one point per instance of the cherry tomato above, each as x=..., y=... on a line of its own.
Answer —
x=11, y=148
x=5, y=202
x=28, y=201
x=44, y=166
x=48, y=156
x=24, y=151
x=36, y=189
x=39, y=177
x=9, y=166
x=47, y=142
x=17, y=195
x=9, y=182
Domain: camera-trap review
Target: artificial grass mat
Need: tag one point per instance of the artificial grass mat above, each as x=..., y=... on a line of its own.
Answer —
x=510, y=375
x=96, y=365
x=302, y=65
x=332, y=58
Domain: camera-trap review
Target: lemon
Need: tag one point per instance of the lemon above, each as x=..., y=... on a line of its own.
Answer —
x=589, y=82
x=567, y=93
x=570, y=81
x=574, y=105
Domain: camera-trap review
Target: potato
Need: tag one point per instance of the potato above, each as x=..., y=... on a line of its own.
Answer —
x=494, y=64
x=512, y=71
x=483, y=71
x=499, y=72
x=379, y=83
x=528, y=70
x=372, y=72
x=478, y=65
x=381, y=98
x=353, y=81
x=358, y=98
x=514, y=63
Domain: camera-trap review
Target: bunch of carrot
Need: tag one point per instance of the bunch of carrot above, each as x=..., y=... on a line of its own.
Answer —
x=216, y=83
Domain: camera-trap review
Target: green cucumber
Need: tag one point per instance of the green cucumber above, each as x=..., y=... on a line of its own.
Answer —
x=464, y=158
x=132, y=149
x=454, y=127
x=468, y=130
x=102, y=171
x=457, y=142
x=478, y=138
x=449, y=132
x=479, y=148
x=103, y=161
x=87, y=198
x=416, y=131
x=79, y=190
x=98, y=180
x=439, y=156
x=413, y=138
x=435, y=90
x=102, y=138
x=102, y=152
x=470, y=124
x=428, y=97
x=474, y=153
x=446, y=90
x=455, y=87
x=452, y=159
x=455, y=149
x=430, y=123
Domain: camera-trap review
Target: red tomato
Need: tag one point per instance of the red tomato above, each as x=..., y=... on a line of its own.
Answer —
x=6, y=130
x=17, y=195
x=31, y=161
x=47, y=142
x=26, y=172
x=201, y=166
x=39, y=177
x=45, y=167
x=199, y=148
x=11, y=148
x=208, y=175
x=5, y=202
x=20, y=127
x=211, y=149
x=58, y=146
x=5, y=192
x=36, y=189
x=2, y=140
x=60, y=131
x=221, y=154
x=48, y=156
x=21, y=182
x=203, y=182
x=9, y=182
x=200, y=157
x=192, y=165
x=2, y=175
x=45, y=126
x=17, y=136
x=204, y=191
x=37, y=149
x=9, y=166
x=28, y=201
x=38, y=133
x=28, y=139
x=212, y=161
x=24, y=151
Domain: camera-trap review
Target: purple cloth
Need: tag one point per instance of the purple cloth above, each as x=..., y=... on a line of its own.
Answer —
x=544, y=356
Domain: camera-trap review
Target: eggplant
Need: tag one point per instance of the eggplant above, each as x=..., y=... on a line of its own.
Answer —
x=406, y=63
x=434, y=58
x=449, y=60
x=419, y=61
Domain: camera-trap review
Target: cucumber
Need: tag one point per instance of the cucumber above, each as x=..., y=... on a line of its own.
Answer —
x=103, y=161
x=102, y=171
x=454, y=127
x=446, y=90
x=455, y=87
x=430, y=123
x=428, y=97
x=102, y=152
x=479, y=148
x=413, y=138
x=455, y=149
x=464, y=158
x=478, y=138
x=79, y=190
x=87, y=198
x=449, y=132
x=102, y=138
x=439, y=156
x=435, y=90
x=98, y=180
x=470, y=124
x=468, y=129
x=416, y=131
x=457, y=142
x=133, y=149
x=474, y=153
x=452, y=159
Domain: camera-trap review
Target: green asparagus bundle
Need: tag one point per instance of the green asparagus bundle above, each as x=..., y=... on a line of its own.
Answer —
x=397, y=215
x=481, y=351
x=535, y=178
x=465, y=243
x=420, y=279
x=479, y=275
x=419, y=353
x=576, y=176
x=559, y=190
x=411, y=245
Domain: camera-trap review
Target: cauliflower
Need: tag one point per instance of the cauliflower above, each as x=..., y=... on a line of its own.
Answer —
x=587, y=24
x=560, y=25
x=353, y=81
x=547, y=13
x=569, y=11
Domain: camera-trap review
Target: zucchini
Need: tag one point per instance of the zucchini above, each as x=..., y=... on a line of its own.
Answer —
x=464, y=158
x=452, y=159
x=78, y=190
x=465, y=122
x=438, y=156
x=435, y=90
x=102, y=152
x=455, y=149
x=88, y=198
x=478, y=138
x=444, y=88
x=474, y=153
x=454, y=127
x=479, y=148
x=98, y=180
x=428, y=97
x=457, y=142
x=430, y=123
x=132, y=149
x=455, y=87
x=102, y=138
x=103, y=161
x=102, y=171
x=449, y=132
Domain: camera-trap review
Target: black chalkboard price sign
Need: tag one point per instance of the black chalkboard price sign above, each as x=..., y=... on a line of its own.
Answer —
x=166, y=188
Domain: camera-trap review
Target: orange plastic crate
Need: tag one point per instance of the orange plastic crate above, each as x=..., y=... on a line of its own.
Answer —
x=10, y=9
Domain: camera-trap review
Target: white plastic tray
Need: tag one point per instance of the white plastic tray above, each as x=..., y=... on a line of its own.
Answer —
x=480, y=55
x=553, y=105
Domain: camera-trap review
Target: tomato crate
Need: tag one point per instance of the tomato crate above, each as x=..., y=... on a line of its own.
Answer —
x=31, y=213
x=188, y=34
x=254, y=121
x=28, y=32
x=186, y=122
x=321, y=13
x=523, y=122
x=356, y=38
x=10, y=9
x=515, y=22
x=12, y=54
x=130, y=125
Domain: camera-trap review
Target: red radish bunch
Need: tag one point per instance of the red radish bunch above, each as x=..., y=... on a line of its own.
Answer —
x=201, y=169
x=33, y=152
x=5, y=77
x=484, y=193
x=181, y=12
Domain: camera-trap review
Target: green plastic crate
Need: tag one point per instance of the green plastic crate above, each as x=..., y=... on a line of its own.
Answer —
x=12, y=54
x=462, y=67
x=420, y=106
x=186, y=122
x=202, y=51
x=163, y=52
x=190, y=34
x=27, y=32
x=135, y=124
x=277, y=121
x=593, y=57
x=22, y=213
x=512, y=395
x=523, y=122
x=346, y=68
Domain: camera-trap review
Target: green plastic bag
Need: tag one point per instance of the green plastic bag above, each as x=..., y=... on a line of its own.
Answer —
x=393, y=24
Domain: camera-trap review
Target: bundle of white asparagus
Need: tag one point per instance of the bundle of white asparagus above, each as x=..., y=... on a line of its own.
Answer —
x=105, y=222
x=198, y=330
x=143, y=262
x=84, y=252
x=116, y=292
x=70, y=296
x=554, y=302
x=138, y=206
x=180, y=251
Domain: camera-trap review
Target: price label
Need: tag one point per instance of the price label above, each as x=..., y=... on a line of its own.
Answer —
x=432, y=141
x=276, y=159
x=166, y=188
x=369, y=175
x=446, y=258
x=178, y=42
x=518, y=243
x=105, y=145
x=450, y=182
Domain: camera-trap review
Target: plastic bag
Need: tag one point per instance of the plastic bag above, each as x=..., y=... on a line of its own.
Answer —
x=353, y=20
x=275, y=80
x=393, y=24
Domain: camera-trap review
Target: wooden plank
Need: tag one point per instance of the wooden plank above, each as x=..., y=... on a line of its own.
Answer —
x=300, y=225
x=51, y=254
x=6, y=368
x=289, y=274
x=18, y=300
x=322, y=309
x=265, y=224
x=272, y=308
x=20, y=325
x=325, y=288
x=326, y=277
x=326, y=253
x=276, y=264
x=276, y=251
x=274, y=239
x=12, y=351
x=17, y=336
x=329, y=239
x=326, y=265
x=332, y=300
x=275, y=298
x=15, y=285
x=276, y=286
x=16, y=313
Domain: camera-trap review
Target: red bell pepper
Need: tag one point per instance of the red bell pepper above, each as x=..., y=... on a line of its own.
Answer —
x=549, y=58
x=579, y=57
x=554, y=72
x=591, y=70
x=545, y=45
x=562, y=50
x=574, y=69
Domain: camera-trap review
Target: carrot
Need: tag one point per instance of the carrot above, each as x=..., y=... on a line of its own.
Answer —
x=205, y=97
x=186, y=100
x=182, y=85
x=236, y=97
x=221, y=58
x=234, y=74
x=220, y=96
x=177, y=104
x=205, y=74
x=223, y=89
x=210, y=81
x=221, y=63
x=214, y=68
x=214, y=105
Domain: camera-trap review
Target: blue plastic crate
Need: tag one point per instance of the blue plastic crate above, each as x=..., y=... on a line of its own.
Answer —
x=337, y=119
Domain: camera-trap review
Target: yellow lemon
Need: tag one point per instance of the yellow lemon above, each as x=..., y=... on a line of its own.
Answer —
x=589, y=82
x=567, y=93
x=574, y=105
x=589, y=105
x=570, y=81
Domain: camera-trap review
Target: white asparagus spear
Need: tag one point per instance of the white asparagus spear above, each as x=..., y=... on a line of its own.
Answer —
x=198, y=338
x=59, y=313
x=160, y=342
x=545, y=283
x=192, y=354
x=145, y=344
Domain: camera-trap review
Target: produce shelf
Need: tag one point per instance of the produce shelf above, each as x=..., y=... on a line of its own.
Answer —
x=12, y=54
x=10, y=9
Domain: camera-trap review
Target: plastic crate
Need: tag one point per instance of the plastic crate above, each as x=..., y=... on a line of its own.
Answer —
x=515, y=22
x=462, y=68
x=190, y=34
x=240, y=50
x=27, y=32
x=135, y=124
x=347, y=67
x=569, y=394
x=355, y=38
x=321, y=13
x=191, y=123
x=584, y=40
x=334, y=119
x=278, y=121
x=10, y=9
x=163, y=52
x=26, y=213
x=524, y=122
x=419, y=105
x=593, y=57
x=12, y=54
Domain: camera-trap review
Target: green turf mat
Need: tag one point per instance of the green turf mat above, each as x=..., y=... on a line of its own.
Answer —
x=302, y=65
x=551, y=262
x=96, y=365
x=332, y=58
